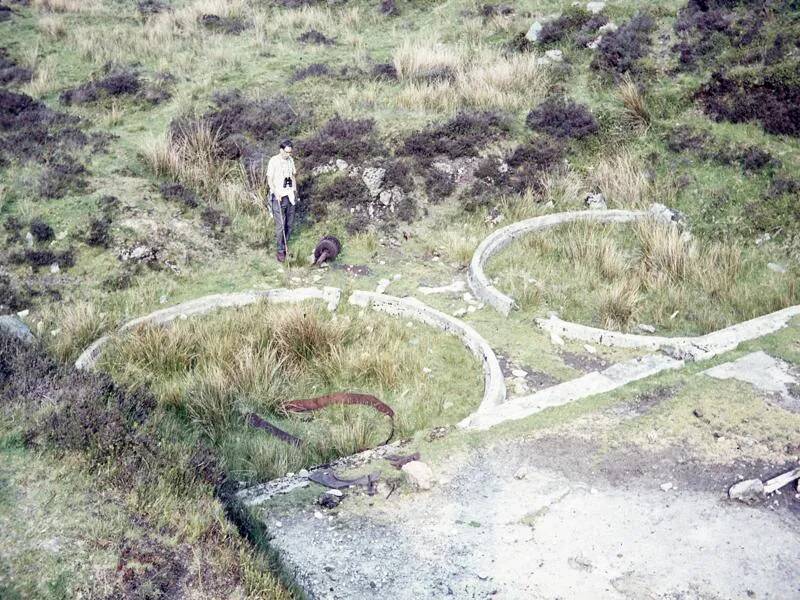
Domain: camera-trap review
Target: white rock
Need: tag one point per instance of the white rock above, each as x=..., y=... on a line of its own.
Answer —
x=554, y=55
x=419, y=474
x=460, y=313
x=534, y=31
x=373, y=179
x=590, y=349
x=341, y=164
x=519, y=373
x=302, y=473
x=54, y=268
x=556, y=339
x=595, y=7
x=426, y=370
x=665, y=487
x=472, y=309
x=163, y=299
x=382, y=285
x=29, y=239
x=337, y=493
x=521, y=473
x=646, y=328
x=748, y=491
x=23, y=313
x=596, y=201
x=595, y=43
x=778, y=268
x=609, y=27
x=318, y=515
x=396, y=277
x=385, y=197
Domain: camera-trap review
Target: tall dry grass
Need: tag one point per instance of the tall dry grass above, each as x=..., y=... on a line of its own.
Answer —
x=634, y=102
x=622, y=179
x=77, y=326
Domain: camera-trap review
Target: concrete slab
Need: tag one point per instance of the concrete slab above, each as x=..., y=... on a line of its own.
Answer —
x=763, y=372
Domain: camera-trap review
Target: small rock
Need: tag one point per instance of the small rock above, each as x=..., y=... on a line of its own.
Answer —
x=23, y=313
x=302, y=473
x=590, y=349
x=646, y=328
x=519, y=373
x=29, y=239
x=385, y=197
x=698, y=413
x=337, y=493
x=521, y=473
x=11, y=325
x=54, y=268
x=382, y=285
x=163, y=299
x=426, y=370
x=554, y=55
x=533, y=32
x=609, y=27
x=595, y=7
x=777, y=268
x=328, y=501
x=341, y=164
x=472, y=309
x=556, y=339
x=373, y=179
x=748, y=491
x=460, y=313
x=596, y=202
x=318, y=515
x=419, y=474
x=595, y=43
x=665, y=487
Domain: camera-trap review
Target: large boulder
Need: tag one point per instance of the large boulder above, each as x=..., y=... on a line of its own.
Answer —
x=12, y=325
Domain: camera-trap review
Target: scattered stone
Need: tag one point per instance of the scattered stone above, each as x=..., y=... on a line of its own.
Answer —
x=556, y=339
x=341, y=164
x=456, y=287
x=664, y=214
x=534, y=31
x=54, y=268
x=609, y=27
x=519, y=373
x=29, y=239
x=521, y=473
x=373, y=179
x=748, y=491
x=646, y=328
x=419, y=474
x=382, y=285
x=460, y=313
x=595, y=43
x=778, y=268
x=595, y=7
x=596, y=202
x=698, y=413
x=23, y=313
x=303, y=473
x=385, y=197
x=12, y=325
x=554, y=55
x=665, y=487
x=590, y=349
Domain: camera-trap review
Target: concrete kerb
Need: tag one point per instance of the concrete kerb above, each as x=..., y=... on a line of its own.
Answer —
x=205, y=304
x=494, y=243
x=494, y=392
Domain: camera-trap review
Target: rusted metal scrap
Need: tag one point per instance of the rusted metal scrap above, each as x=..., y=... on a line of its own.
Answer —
x=258, y=422
x=398, y=460
x=342, y=398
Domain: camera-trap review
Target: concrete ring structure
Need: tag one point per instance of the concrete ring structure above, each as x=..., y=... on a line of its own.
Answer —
x=494, y=243
x=494, y=389
x=198, y=306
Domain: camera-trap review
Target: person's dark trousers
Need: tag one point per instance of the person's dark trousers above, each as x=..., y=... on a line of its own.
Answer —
x=283, y=212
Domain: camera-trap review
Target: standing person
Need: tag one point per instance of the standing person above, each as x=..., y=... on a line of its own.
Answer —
x=281, y=178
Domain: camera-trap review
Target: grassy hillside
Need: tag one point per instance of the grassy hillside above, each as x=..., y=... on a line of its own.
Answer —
x=133, y=144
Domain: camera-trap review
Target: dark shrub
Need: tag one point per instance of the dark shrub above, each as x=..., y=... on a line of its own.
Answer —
x=108, y=204
x=384, y=71
x=312, y=70
x=228, y=25
x=13, y=227
x=772, y=100
x=176, y=192
x=44, y=258
x=10, y=72
x=572, y=19
x=41, y=231
x=5, y=13
x=12, y=297
x=620, y=51
x=114, y=85
x=438, y=185
x=352, y=140
x=588, y=31
x=462, y=136
x=149, y=569
x=562, y=118
x=406, y=210
x=98, y=233
x=494, y=10
x=346, y=191
x=312, y=36
x=62, y=177
x=398, y=174
x=389, y=8
x=540, y=154
x=148, y=8
x=215, y=220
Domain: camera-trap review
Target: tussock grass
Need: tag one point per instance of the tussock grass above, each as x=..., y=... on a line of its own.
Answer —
x=621, y=178
x=616, y=276
x=67, y=6
x=634, y=102
x=214, y=370
x=77, y=326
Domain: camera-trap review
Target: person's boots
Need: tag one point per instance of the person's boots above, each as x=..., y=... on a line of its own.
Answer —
x=281, y=256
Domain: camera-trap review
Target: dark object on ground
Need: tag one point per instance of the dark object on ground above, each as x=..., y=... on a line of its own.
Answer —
x=562, y=118
x=389, y=8
x=397, y=461
x=148, y=8
x=331, y=480
x=312, y=36
x=329, y=501
x=43, y=258
x=494, y=10
x=41, y=231
x=772, y=101
x=384, y=71
x=98, y=234
x=14, y=228
x=177, y=192
x=619, y=51
x=229, y=25
x=215, y=220
x=259, y=423
x=113, y=85
x=327, y=250
x=5, y=13
x=312, y=70
x=10, y=71
x=342, y=398
x=462, y=136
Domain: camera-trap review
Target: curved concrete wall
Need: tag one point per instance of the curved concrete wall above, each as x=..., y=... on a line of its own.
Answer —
x=494, y=243
x=494, y=389
x=88, y=358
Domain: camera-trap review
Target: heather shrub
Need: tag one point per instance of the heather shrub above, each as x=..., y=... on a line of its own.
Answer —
x=352, y=140
x=619, y=51
x=41, y=231
x=562, y=118
x=462, y=136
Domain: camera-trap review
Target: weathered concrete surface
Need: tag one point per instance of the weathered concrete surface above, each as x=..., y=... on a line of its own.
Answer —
x=494, y=243
x=494, y=389
x=597, y=382
x=763, y=372
x=206, y=304
x=481, y=532
x=693, y=348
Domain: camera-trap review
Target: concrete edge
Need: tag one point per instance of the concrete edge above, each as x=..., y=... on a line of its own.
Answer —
x=495, y=242
x=330, y=295
x=494, y=391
